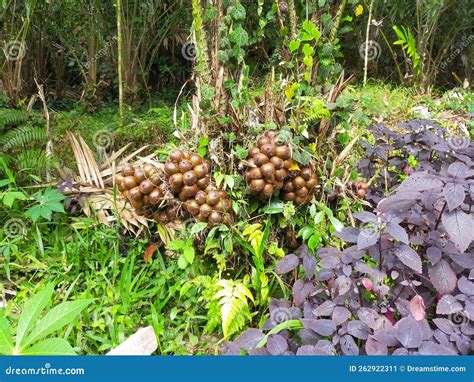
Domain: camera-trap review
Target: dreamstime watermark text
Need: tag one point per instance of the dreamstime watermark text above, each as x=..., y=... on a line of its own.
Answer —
x=46, y=369
x=102, y=52
x=457, y=51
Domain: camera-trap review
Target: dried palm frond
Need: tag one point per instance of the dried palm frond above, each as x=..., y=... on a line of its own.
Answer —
x=96, y=186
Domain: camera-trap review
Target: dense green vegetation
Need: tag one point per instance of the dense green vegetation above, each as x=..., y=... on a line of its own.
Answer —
x=211, y=77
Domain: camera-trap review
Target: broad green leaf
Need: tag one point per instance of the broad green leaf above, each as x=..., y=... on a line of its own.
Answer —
x=182, y=263
x=313, y=241
x=51, y=346
x=237, y=11
x=318, y=217
x=274, y=207
x=4, y=182
x=175, y=245
x=6, y=340
x=188, y=254
x=198, y=227
x=311, y=30
x=55, y=319
x=239, y=36
x=263, y=243
x=307, y=50
x=228, y=244
x=337, y=224
x=305, y=232
x=287, y=325
x=294, y=45
x=31, y=311
x=229, y=180
x=10, y=197
x=48, y=202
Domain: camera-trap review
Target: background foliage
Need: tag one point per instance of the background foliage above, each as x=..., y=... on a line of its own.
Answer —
x=375, y=94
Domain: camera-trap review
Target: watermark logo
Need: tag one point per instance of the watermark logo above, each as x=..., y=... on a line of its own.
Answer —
x=103, y=139
x=458, y=143
x=459, y=319
x=372, y=48
x=14, y=50
x=188, y=51
x=280, y=315
x=14, y=228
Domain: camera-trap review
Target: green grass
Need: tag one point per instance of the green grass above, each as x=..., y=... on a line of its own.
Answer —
x=96, y=262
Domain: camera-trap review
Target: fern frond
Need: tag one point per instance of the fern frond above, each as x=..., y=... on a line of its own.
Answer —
x=23, y=136
x=35, y=160
x=220, y=259
x=213, y=317
x=12, y=117
x=232, y=297
x=314, y=109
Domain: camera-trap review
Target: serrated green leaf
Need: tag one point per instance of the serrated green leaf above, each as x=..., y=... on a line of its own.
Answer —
x=308, y=61
x=239, y=36
x=237, y=12
x=48, y=202
x=311, y=30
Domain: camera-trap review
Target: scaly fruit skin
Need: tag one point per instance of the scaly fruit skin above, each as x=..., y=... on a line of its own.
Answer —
x=300, y=185
x=270, y=163
x=185, y=169
x=143, y=187
x=187, y=176
x=271, y=170
x=190, y=179
x=357, y=187
x=210, y=205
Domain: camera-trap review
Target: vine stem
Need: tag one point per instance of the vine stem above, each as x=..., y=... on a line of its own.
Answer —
x=439, y=217
x=398, y=295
